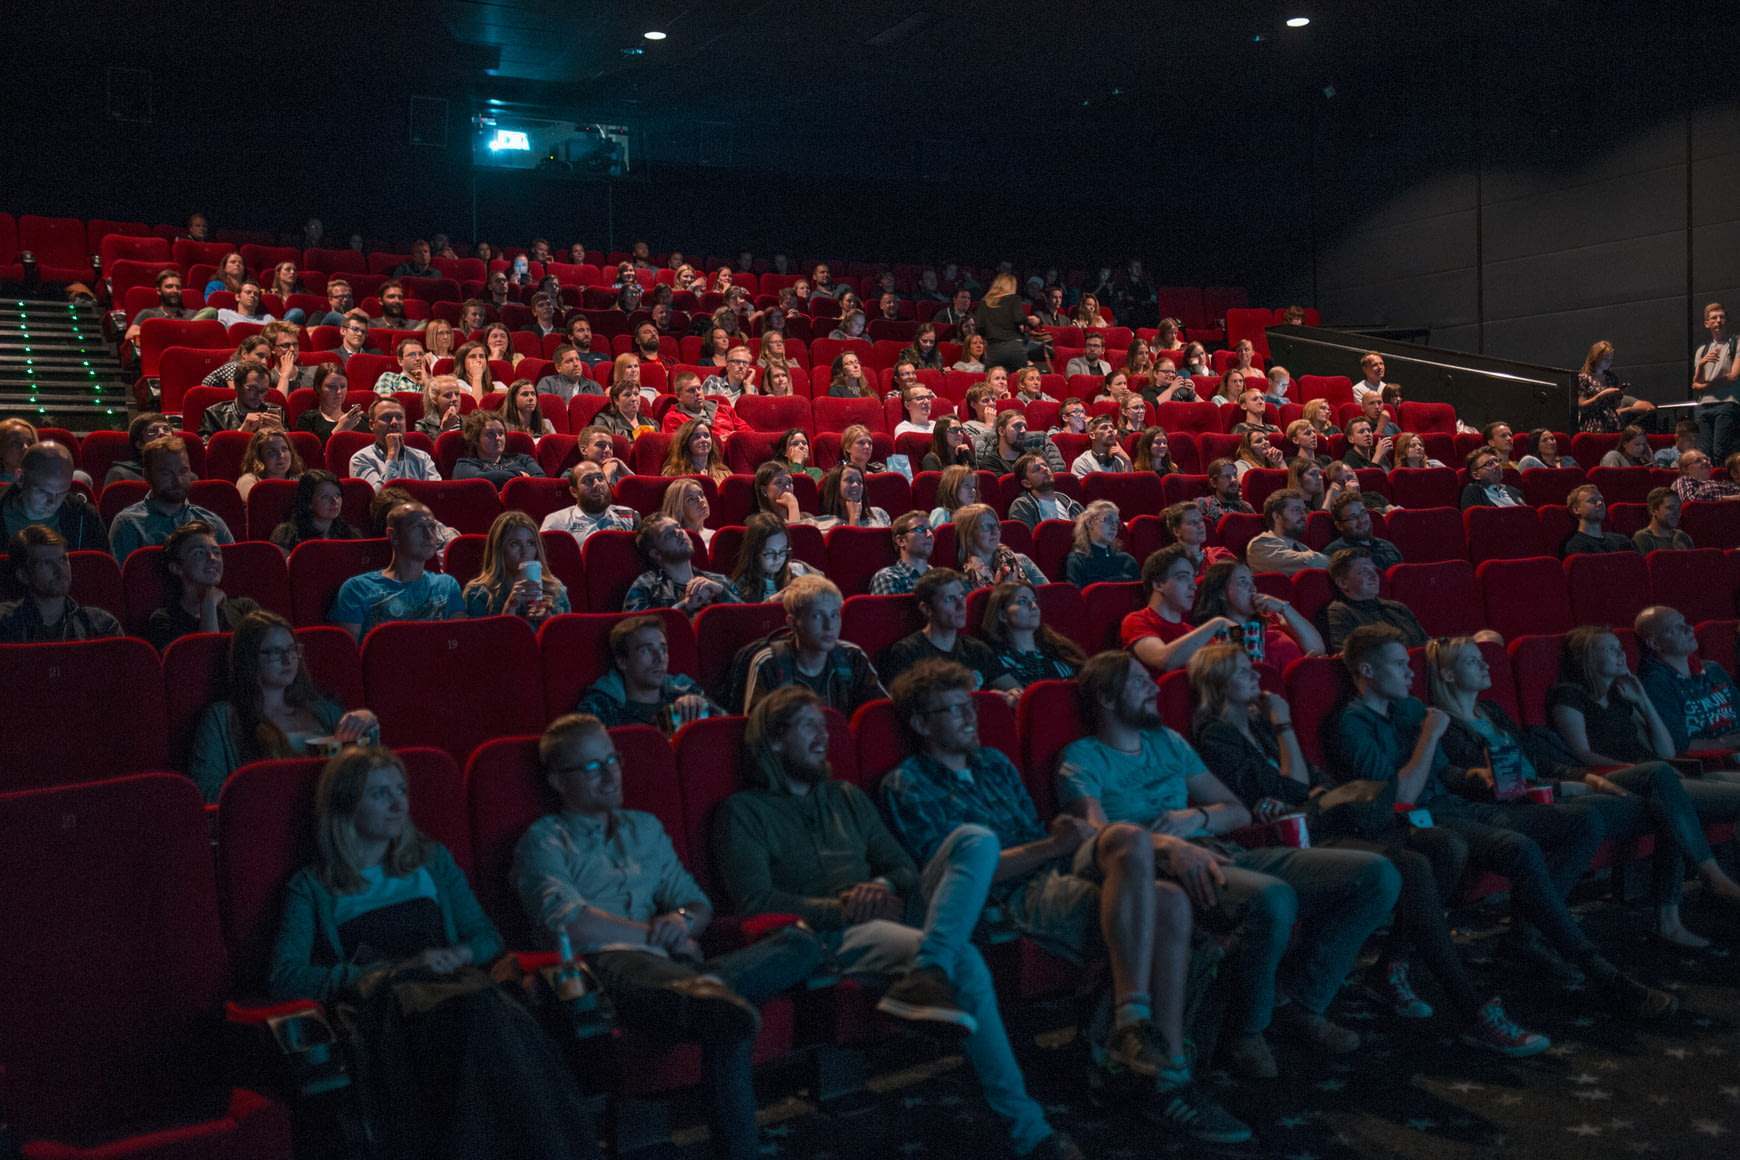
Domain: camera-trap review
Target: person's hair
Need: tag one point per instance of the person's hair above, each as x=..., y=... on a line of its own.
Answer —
x=837, y=376
x=325, y=371
x=252, y=456
x=679, y=380
x=1713, y=306
x=785, y=443
x=28, y=537
x=1211, y=670
x=677, y=460
x=765, y=475
x=462, y=353
x=1576, y=494
x=1101, y=680
x=1600, y=350
x=1051, y=642
x=510, y=414
x=939, y=440
x=1022, y=463
x=1364, y=642
x=336, y=798
x=1247, y=453
x=1277, y=500
x=965, y=519
x=232, y=282
x=770, y=718
x=275, y=328
x=925, y=588
x=759, y=528
x=1216, y=466
x=676, y=499
x=162, y=445
x=645, y=540
x=1577, y=658
x=1002, y=286
x=298, y=522
x=142, y=422
x=922, y=329
x=1143, y=459
x=1296, y=469
x=164, y=276
x=408, y=340
x=1441, y=653
x=1685, y=427
x=904, y=523
x=850, y=436
x=389, y=284
x=1658, y=497
x=622, y=630
x=506, y=333
x=256, y=735
x=915, y=688
x=571, y=726
x=473, y=424
x=1173, y=514
x=1080, y=540
x=1343, y=502
x=1343, y=561
x=802, y=593
x=1211, y=592
x=831, y=500
x=1315, y=409
x=492, y=576
x=1160, y=562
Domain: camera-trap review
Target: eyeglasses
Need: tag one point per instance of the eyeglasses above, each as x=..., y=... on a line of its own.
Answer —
x=592, y=769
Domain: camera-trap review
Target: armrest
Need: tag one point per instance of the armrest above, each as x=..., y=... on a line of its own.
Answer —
x=729, y=932
x=245, y=1014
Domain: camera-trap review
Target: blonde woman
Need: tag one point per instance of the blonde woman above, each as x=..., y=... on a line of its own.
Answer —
x=686, y=502
x=441, y=406
x=694, y=451
x=438, y=339
x=515, y=579
x=1317, y=413
x=1097, y=555
x=984, y=558
x=958, y=487
x=270, y=455
x=1000, y=319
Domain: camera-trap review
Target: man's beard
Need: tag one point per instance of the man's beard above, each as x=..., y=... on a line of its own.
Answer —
x=170, y=300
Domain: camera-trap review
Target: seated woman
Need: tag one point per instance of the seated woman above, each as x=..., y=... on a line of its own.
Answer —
x=1255, y=450
x=144, y=428
x=329, y=413
x=1602, y=714
x=858, y=449
x=193, y=567
x=1087, y=312
x=1097, y=554
x=1030, y=386
x=1196, y=364
x=923, y=352
x=773, y=492
x=438, y=340
x=776, y=383
x=1306, y=441
x=793, y=453
x=1153, y=452
x=972, y=358
x=917, y=399
x=1114, y=387
x=716, y=344
x=1188, y=526
x=471, y=368
x=441, y=406
x=385, y=916
x=982, y=556
x=622, y=415
x=686, y=502
x=1274, y=633
x=847, y=379
x=626, y=371
x=1138, y=359
x=951, y=444
x=1318, y=413
x=1633, y=450
x=269, y=455
x=515, y=578
x=315, y=512
x=958, y=487
x=842, y=501
x=694, y=452
x=1027, y=649
x=771, y=355
x=498, y=342
x=1133, y=415
x=1545, y=453
x=272, y=709
x=1246, y=739
x=1410, y=451
x=520, y=411
x=1306, y=477
x=486, y=454
x=764, y=563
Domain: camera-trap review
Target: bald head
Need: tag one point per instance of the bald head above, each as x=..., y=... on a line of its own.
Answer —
x=1660, y=627
x=47, y=460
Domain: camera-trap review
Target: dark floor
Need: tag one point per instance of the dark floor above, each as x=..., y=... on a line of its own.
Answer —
x=1606, y=1088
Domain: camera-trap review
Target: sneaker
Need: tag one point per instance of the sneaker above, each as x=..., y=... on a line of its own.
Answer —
x=711, y=1011
x=1134, y=1049
x=1397, y=993
x=1057, y=1146
x=1494, y=1031
x=1249, y=1057
x=1295, y=1022
x=1193, y=1111
x=1644, y=1002
x=923, y=995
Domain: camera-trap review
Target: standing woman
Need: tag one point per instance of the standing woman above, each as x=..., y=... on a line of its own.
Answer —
x=508, y=583
x=1000, y=319
x=1601, y=400
x=384, y=915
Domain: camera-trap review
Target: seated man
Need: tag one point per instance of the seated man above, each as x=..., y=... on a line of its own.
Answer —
x=249, y=410
x=1105, y=453
x=46, y=612
x=417, y=265
x=692, y=405
x=393, y=316
x=353, y=337
x=389, y=457
x=1134, y=769
x=670, y=580
x=738, y=379
x=580, y=338
x=1223, y=492
x=1501, y=441
x=247, y=308
x=1695, y=482
x=43, y=494
x=1039, y=498
x=1694, y=697
x=1160, y=634
x=1382, y=426
x=1371, y=382
x=913, y=540
x=1006, y=443
x=1383, y=733
x=339, y=301
x=835, y=670
x=1685, y=439
x=165, y=506
x=413, y=373
x=1092, y=360
x=1253, y=412
x=1364, y=448
x=1355, y=576
x=1486, y=486
x=168, y=304
x=941, y=596
x=1353, y=521
x=569, y=377
x=592, y=510
x=599, y=445
x=866, y=899
x=405, y=589
x=1282, y=547
x=607, y=882
x=1589, y=509
x=1071, y=888
x=640, y=688
x=1663, y=530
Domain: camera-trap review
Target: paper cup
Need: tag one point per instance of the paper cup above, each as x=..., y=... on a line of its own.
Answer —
x=1542, y=794
x=533, y=571
x=1290, y=830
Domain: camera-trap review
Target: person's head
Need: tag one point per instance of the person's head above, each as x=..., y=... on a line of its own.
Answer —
x=1227, y=589
x=1376, y=656
x=1599, y=358
x=1410, y=450
x=1587, y=505
x=485, y=435
x=1185, y=524
x=794, y=447
x=441, y=394
x=580, y=762
x=1252, y=403
x=232, y=269
x=362, y=801
x=1634, y=443
x=353, y=332
x=1665, y=632
x=271, y=455
x=411, y=353
x=1355, y=574
x=1011, y=430
x=846, y=368
x=1223, y=679
x=1685, y=434
x=772, y=483
x=1097, y=526
x=1117, y=689
x=1303, y=436
x=392, y=296
x=1254, y=448
x=1485, y=467
x=812, y=610
x=1094, y=345
x=973, y=348
x=662, y=541
x=542, y=307
x=786, y=736
x=1371, y=365
x=17, y=436
x=1116, y=383
x=1169, y=578
x=1695, y=464
x=941, y=597
x=1317, y=414
x=197, y=227
x=978, y=532
x=686, y=502
x=1664, y=508
x=1284, y=513
x=913, y=536
x=687, y=388
x=998, y=380
x=958, y=487
x=39, y=563
x=473, y=314
x=934, y=701
x=1223, y=479
x=1034, y=474
x=1592, y=659
x=1715, y=318
x=165, y=466
x=1499, y=437
x=499, y=342
x=319, y=500
x=413, y=533
x=693, y=446
x=915, y=396
x=1360, y=434
x=512, y=543
x=1455, y=666
x=842, y=485
x=521, y=410
x=1352, y=518
x=857, y=446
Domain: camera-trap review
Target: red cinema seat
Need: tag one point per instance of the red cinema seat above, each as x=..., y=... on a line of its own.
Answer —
x=1316, y=686
x=1423, y=487
x=470, y=505
x=1104, y=606
x=112, y=884
x=1712, y=524
x=59, y=244
x=1557, y=526
x=1534, y=664
x=1312, y=591
x=1196, y=418
x=854, y=555
x=319, y=568
x=157, y=335
x=836, y=415
x=1509, y=533
x=774, y=413
x=269, y=502
x=1425, y=535
x=575, y=651
x=1047, y=718
x=1442, y=594
x=1336, y=388
x=508, y=697
x=1716, y=642
x=881, y=741
x=875, y=622
x=1621, y=484
x=1550, y=485
x=10, y=267
x=1135, y=493
x=1429, y=418
x=611, y=564
x=96, y=581
x=722, y=629
x=43, y=680
x=1524, y=596
x=1607, y=587
x=1699, y=583
x=1237, y=529
x=252, y=568
x=1257, y=484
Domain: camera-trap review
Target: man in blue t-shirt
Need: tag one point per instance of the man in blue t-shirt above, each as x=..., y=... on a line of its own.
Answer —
x=405, y=589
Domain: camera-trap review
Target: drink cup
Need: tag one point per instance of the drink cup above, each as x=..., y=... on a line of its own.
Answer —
x=533, y=571
x=1290, y=830
x=1542, y=794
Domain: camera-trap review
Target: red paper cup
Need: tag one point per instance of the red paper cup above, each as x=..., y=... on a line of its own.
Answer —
x=1290, y=831
x=1540, y=793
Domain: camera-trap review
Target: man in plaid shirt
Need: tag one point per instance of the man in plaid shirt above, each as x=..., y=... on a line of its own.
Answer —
x=1695, y=482
x=913, y=539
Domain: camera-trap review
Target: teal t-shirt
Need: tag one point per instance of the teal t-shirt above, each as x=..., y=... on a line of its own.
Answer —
x=372, y=599
x=1130, y=787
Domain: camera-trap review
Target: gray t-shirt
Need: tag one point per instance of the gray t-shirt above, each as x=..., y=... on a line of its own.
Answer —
x=1130, y=787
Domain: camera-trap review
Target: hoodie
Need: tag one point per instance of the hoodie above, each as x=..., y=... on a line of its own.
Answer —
x=783, y=852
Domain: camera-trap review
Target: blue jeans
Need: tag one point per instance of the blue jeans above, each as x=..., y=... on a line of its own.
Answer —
x=1675, y=809
x=952, y=890
x=1569, y=837
x=1338, y=896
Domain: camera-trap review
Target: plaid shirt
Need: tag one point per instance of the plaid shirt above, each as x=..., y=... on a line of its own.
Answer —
x=895, y=580
x=926, y=802
x=847, y=679
x=654, y=588
x=1689, y=489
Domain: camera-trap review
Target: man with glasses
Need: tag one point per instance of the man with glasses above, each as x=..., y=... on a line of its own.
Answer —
x=607, y=880
x=738, y=379
x=413, y=372
x=405, y=589
x=1353, y=521
x=353, y=337
x=671, y=580
x=339, y=302
x=814, y=657
x=43, y=494
x=692, y=404
x=592, y=510
x=640, y=688
x=913, y=539
x=1696, y=482
x=282, y=352
x=46, y=612
x=388, y=457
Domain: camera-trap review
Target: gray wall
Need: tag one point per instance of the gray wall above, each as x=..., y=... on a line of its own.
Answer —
x=1527, y=205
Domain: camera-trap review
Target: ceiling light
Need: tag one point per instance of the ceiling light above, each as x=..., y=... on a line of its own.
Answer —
x=1298, y=22
x=654, y=35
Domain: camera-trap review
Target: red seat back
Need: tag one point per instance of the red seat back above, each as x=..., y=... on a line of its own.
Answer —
x=1424, y=535
x=1423, y=487
x=45, y=681
x=1508, y=533
x=1607, y=588
x=319, y=568
x=881, y=741
x=1698, y=583
x=1524, y=596
x=1442, y=594
x=507, y=696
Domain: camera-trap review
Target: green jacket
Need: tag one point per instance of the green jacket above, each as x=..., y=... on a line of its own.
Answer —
x=781, y=852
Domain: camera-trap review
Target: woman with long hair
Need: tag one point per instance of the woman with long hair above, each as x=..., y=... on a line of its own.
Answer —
x=285, y=281
x=1410, y=451
x=1543, y=451
x=764, y=563
x=958, y=487
x=773, y=492
x=1632, y=451
x=694, y=452
x=852, y=326
x=316, y=512
x=793, y=453
x=229, y=274
x=1196, y=363
x=1028, y=648
x=1001, y=320
x=847, y=380
x=1138, y=360
x=1318, y=414
x=923, y=352
x=1097, y=554
x=272, y=708
x=841, y=502
x=1153, y=452
x=1601, y=404
x=1133, y=415
x=471, y=368
x=1255, y=450
x=520, y=410
x=1166, y=337
x=983, y=557
x=192, y=568
x=498, y=342
x=973, y=351
x=773, y=354
x=716, y=344
x=686, y=502
x=270, y=455
x=329, y=413
x=1305, y=477
x=1087, y=313
x=442, y=407
x=951, y=444
x=858, y=449
x=515, y=577
x=1274, y=631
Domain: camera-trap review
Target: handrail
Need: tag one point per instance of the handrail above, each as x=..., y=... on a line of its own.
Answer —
x=1293, y=335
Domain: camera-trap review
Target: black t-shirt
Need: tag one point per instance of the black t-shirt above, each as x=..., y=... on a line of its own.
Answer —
x=320, y=425
x=908, y=651
x=1581, y=542
x=1248, y=766
x=1615, y=729
x=173, y=622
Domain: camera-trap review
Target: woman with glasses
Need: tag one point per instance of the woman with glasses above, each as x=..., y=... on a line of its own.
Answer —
x=764, y=562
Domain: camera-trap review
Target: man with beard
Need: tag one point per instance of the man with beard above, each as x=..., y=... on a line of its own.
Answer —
x=164, y=507
x=168, y=304
x=592, y=510
x=671, y=579
x=640, y=688
x=392, y=296
x=580, y=338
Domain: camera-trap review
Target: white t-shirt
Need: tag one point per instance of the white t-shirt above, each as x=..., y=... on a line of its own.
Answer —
x=906, y=425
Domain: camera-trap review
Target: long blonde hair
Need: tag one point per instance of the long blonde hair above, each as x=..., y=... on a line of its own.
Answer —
x=1002, y=286
x=336, y=799
x=1441, y=653
x=493, y=577
x=1211, y=671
